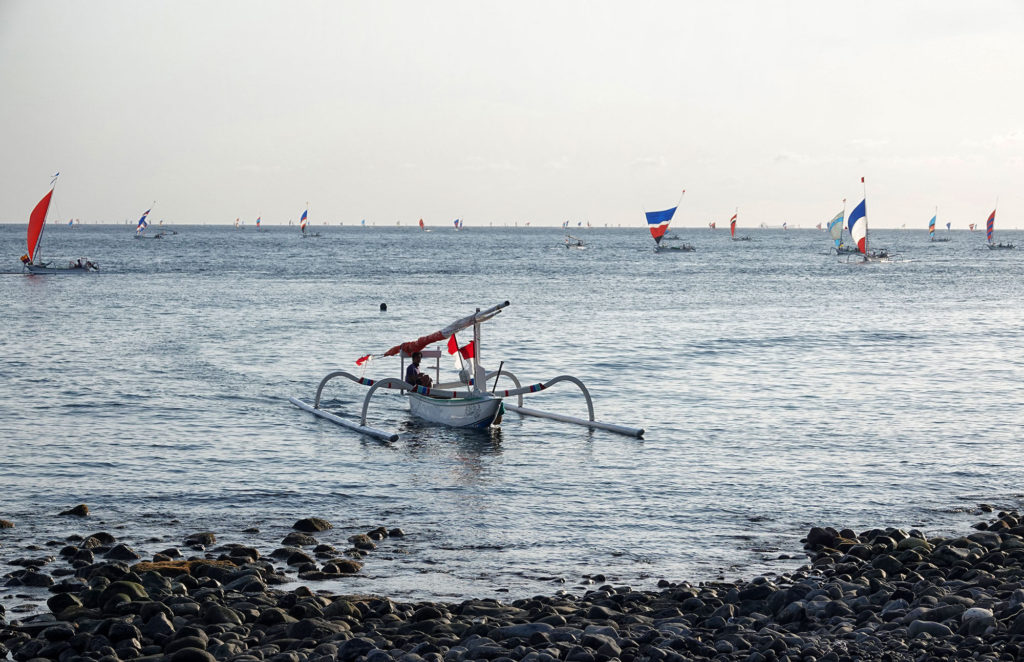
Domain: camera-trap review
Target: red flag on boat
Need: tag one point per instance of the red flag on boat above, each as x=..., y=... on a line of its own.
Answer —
x=453, y=344
x=467, y=351
x=362, y=359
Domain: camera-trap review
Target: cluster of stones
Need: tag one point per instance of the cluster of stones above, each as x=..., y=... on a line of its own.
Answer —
x=884, y=594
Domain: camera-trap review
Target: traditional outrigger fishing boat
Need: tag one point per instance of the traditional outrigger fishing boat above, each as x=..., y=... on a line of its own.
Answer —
x=465, y=403
x=858, y=226
x=31, y=261
x=657, y=222
x=990, y=225
x=732, y=228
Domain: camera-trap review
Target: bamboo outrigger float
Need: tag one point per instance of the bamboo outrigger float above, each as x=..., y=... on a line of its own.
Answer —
x=465, y=403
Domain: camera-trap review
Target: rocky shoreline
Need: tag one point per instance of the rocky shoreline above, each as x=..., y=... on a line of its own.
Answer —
x=882, y=594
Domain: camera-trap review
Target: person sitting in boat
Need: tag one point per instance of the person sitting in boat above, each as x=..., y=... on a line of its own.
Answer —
x=413, y=375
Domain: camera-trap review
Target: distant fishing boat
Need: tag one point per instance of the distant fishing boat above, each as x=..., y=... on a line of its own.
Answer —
x=143, y=224
x=32, y=260
x=858, y=227
x=658, y=222
x=931, y=228
x=732, y=228
x=303, y=221
x=423, y=227
x=574, y=242
x=990, y=226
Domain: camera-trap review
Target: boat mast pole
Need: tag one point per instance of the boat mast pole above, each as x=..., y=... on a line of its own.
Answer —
x=479, y=375
x=864, y=186
x=42, y=228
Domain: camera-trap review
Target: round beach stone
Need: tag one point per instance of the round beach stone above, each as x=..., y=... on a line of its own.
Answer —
x=297, y=538
x=201, y=538
x=192, y=655
x=122, y=552
x=6, y=524
x=362, y=541
x=928, y=627
x=312, y=524
x=81, y=510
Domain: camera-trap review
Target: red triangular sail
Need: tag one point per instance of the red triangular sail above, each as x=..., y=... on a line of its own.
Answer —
x=35, y=224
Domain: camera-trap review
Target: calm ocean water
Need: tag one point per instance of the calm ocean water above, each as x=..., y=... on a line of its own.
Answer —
x=779, y=388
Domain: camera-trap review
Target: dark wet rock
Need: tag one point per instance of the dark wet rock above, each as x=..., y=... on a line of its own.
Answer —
x=396, y=533
x=312, y=525
x=342, y=566
x=6, y=524
x=122, y=553
x=216, y=613
x=299, y=539
x=29, y=577
x=61, y=601
x=205, y=538
x=81, y=510
x=298, y=557
x=192, y=655
x=362, y=541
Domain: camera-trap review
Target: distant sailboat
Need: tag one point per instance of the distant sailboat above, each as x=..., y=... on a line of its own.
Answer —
x=143, y=224
x=858, y=227
x=658, y=222
x=931, y=228
x=732, y=228
x=423, y=227
x=835, y=231
x=990, y=226
x=32, y=260
x=304, y=221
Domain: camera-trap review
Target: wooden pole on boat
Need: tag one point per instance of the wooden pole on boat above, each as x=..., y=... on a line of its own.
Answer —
x=497, y=376
x=864, y=186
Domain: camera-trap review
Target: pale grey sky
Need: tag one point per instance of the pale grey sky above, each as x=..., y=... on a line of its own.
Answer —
x=534, y=111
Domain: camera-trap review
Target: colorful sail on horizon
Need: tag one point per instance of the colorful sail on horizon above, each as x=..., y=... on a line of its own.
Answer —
x=990, y=225
x=858, y=226
x=658, y=221
x=732, y=225
x=142, y=224
x=931, y=227
x=258, y=222
x=36, y=221
x=947, y=226
x=422, y=227
x=835, y=228
x=303, y=220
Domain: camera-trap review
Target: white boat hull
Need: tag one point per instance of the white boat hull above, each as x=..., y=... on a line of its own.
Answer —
x=478, y=411
x=39, y=270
